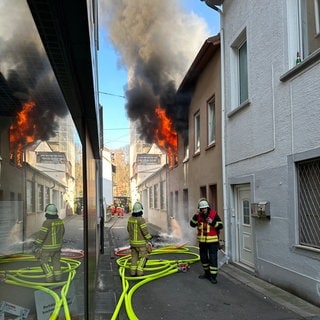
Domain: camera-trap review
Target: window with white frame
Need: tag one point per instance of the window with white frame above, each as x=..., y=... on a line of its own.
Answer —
x=162, y=195
x=304, y=29
x=40, y=197
x=308, y=176
x=155, y=196
x=30, y=196
x=150, y=189
x=47, y=196
x=197, y=132
x=211, y=121
x=239, y=70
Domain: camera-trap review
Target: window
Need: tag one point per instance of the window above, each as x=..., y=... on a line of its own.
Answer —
x=47, y=195
x=197, y=132
x=186, y=152
x=185, y=202
x=30, y=196
x=211, y=121
x=40, y=197
x=309, y=39
x=171, y=201
x=203, y=192
x=239, y=71
x=150, y=197
x=246, y=212
x=308, y=175
x=304, y=29
x=155, y=196
x=176, y=203
x=243, y=73
x=162, y=195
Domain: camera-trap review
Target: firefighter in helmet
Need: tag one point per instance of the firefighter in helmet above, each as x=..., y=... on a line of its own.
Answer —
x=48, y=244
x=139, y=237
x=209, y=225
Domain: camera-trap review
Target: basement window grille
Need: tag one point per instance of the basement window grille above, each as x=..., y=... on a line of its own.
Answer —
x=309, y=202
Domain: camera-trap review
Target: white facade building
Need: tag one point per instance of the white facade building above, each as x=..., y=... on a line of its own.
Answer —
x=271, y=107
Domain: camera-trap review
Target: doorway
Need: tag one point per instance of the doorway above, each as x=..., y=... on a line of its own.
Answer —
x=244, y=226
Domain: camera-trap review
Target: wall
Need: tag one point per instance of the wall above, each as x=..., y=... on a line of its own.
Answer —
x=265, y=135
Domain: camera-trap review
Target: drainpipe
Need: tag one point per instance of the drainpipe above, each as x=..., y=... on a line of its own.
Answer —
x=223, y=142
x=213, y=5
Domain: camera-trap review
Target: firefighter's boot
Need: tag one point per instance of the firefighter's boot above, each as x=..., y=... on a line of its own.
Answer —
x=213, y=280
x=206, y=275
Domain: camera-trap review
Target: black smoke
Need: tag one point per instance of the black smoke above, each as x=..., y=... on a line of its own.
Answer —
x=156, y=41
x=25, y=73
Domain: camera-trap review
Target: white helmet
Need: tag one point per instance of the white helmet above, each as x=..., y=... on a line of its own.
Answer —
x=203, y=203
x=51, y=209
x=137, y=207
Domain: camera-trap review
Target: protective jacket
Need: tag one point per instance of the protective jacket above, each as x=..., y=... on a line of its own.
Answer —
x=207, y=231
x=51, y=234
x=138, y=231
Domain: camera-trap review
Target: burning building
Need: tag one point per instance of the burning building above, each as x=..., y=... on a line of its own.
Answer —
x=156, y=64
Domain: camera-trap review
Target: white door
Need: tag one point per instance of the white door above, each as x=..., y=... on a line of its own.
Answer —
x=244, y=223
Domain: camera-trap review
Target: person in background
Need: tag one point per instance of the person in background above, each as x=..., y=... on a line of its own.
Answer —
x=113, y=210
x=209, y=225
x=48, y=244
x=138, y=237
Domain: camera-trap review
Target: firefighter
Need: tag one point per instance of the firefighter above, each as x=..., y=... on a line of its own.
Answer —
x=209, y=225
x=139, y=237
x=113, y=211
x=47, y=246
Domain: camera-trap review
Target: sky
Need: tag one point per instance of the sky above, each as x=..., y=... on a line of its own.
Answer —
x=113, y=75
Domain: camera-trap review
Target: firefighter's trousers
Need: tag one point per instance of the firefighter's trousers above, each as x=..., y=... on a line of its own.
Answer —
x=54, y=272
x=209, y=258
x=138, y=260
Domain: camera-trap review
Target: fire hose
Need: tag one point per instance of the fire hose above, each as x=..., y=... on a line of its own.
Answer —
x=25, y=277
x=157, y=269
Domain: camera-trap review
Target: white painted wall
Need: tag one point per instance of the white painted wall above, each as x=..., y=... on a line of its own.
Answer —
x=264, y=137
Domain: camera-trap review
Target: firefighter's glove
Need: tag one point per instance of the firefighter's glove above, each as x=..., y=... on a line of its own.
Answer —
x=36, y=250
x=149, y=247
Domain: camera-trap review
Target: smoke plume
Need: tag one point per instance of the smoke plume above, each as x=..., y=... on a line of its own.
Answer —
x=156, y=42
x=25, y=71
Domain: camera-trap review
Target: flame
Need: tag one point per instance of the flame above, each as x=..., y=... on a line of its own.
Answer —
x=22, y=132
x=166, y=137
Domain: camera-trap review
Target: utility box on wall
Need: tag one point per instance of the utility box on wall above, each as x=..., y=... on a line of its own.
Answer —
x=260, y=210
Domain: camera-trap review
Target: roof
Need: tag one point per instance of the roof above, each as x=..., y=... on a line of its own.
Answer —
x=210, y=47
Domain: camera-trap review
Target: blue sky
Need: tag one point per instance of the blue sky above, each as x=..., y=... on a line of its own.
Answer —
x=113, y=79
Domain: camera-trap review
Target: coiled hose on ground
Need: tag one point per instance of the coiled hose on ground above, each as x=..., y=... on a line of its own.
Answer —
x=33, y=277
x=155, y=269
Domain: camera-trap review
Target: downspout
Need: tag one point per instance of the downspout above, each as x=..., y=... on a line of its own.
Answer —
x=213, y=5
x=223, y=142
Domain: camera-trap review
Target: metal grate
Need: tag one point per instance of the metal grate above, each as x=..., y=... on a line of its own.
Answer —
x=309, y=202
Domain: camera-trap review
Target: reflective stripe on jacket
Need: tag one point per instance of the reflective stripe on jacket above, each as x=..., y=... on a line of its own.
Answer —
x=138, y=231
x=51, y=234
x=207, y=232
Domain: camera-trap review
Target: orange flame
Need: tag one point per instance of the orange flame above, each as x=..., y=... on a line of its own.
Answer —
x=22, y=133
x=166, y=137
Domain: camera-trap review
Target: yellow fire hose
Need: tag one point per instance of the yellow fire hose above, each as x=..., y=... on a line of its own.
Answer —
x=158, y=268
x=24, y=277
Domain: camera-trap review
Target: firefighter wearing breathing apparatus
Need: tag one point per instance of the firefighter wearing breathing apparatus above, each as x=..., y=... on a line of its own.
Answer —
x=47, y=246
x=139, y=237
x=208, y=224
